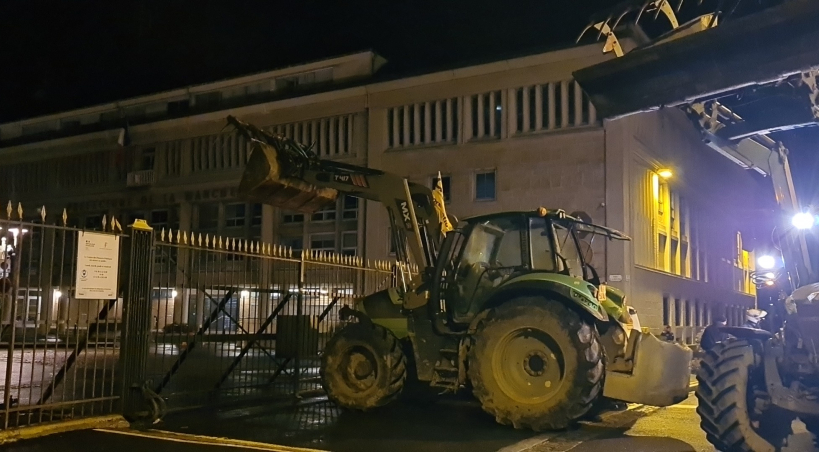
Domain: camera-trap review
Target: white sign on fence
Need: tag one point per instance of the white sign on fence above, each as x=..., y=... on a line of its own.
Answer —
x=97, y=266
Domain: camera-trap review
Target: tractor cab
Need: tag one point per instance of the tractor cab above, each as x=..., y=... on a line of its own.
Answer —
x=489, y=251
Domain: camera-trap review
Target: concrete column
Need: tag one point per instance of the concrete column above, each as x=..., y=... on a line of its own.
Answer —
x=467, y=132
x=428, y=138
x=450, y=124
x=439, y=121
x=481, y=122
x=512, y=112
x=526, y=110
x=538, y=107
x=185, y=157
x=564, y=104
x=551, y=106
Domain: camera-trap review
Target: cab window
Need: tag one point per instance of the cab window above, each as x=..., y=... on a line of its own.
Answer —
x=540, y=242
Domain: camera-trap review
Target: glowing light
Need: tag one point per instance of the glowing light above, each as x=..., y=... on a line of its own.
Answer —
x=57, y=293
x=665, y=173
x=766, y=262
x=770, y=275
x=802, y=220
x=769, y=283
x=245, y=293
x=174, y=293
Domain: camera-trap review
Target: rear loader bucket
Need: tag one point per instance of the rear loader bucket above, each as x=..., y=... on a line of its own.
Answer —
x=264, y=181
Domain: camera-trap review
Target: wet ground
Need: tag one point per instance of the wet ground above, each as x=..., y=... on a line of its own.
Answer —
x=451, y=425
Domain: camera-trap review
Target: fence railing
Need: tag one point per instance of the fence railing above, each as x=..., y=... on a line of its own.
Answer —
x=208, y=318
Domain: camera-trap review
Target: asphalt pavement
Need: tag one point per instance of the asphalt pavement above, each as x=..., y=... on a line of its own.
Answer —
x=450, y=424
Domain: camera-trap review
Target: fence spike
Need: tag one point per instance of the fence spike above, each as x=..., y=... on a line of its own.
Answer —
x=264, y=249
x=162, y=235
x=282, y=251
x=119, y=226
x=8, y=210
x=185, y=237
x=178, y=236
x=245, y=240
x=199, y=239
x=220, y=242
x=65, y=215
x=257, y=247
x=104, y=222
x=233, y=244
x=113, y=224
x=43, y=213
x=20, y=210
x=289, y=251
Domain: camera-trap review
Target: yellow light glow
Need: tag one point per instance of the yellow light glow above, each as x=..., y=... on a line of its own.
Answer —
x=665, y=173
x=769, y=283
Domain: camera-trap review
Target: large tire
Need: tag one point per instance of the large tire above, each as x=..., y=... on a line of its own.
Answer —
x=363, y=367
x=536, y=364
x=732, y=401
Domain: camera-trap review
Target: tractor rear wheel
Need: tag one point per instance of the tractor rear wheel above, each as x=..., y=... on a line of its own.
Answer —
x=363, y=367
x=734, y=408
x=536, y=364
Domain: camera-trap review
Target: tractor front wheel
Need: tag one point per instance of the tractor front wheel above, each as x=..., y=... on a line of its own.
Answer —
x=363, y=367
x=536, y=364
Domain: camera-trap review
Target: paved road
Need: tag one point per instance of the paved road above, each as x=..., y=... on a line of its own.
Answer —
x=454, y=425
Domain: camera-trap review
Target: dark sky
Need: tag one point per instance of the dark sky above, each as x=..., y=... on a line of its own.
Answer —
x=58, y=55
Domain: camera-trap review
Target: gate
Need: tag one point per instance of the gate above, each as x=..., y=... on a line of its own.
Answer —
x=194, y=319
x=58, y=353
x=233, y=318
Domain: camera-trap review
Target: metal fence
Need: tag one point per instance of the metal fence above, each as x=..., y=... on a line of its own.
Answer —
x=198, y=319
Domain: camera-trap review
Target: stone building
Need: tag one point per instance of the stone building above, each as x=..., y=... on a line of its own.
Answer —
x=512, y=134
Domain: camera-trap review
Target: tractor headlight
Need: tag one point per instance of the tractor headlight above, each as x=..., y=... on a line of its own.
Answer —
x=766, y=262
x=803, y=220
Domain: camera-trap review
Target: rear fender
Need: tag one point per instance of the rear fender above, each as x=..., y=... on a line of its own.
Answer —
x=575, y=291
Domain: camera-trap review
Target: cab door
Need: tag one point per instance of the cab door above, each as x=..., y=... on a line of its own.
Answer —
x=490, y=254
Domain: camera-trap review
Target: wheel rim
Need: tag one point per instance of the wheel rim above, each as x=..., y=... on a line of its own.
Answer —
x=359, y=369
x=528, y=365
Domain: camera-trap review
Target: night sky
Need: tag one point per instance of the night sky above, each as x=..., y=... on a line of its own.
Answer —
x=58, y=55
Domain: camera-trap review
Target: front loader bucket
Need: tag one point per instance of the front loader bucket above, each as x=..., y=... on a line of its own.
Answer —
x=756, y=49
x=265, y=181
x=660, y=376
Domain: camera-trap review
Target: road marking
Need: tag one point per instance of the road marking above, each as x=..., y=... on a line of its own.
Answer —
x=688, y=407
x=207, y=440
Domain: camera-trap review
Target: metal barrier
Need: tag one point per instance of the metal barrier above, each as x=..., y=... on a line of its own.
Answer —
x=237, y=318
x=207, y=319
x=59, y=353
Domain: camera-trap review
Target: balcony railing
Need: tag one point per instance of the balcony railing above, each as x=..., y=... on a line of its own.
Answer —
x=140, y=178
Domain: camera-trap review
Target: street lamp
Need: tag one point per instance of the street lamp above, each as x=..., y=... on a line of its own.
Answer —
x=803, y=220
x=665, y=173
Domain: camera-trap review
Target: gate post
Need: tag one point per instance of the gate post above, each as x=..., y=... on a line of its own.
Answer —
x=137, y=275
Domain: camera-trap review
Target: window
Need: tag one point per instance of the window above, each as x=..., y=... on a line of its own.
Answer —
x=147, y=157
x=485, y=186
x=234, y=215
x=323, y=242
x=350, y=211
x=666, y=312
x=349, y=243
x=256, y=215
x=446, y=183
x=159, y=219
x=541, y=245
x=178, y=106
x=677, y=312
x=567, y=247
x=328, y=214
x=292, y=218
x=208, y=99
x=296, y=243
x=208, y=216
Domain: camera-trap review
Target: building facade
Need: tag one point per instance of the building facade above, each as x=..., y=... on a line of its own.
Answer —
x=514, y=134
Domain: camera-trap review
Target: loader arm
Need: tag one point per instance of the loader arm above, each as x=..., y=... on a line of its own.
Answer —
x=288, y=175
x=697, y=69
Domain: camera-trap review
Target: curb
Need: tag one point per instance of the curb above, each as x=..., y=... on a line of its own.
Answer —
x=209, y=440
x=36, y=431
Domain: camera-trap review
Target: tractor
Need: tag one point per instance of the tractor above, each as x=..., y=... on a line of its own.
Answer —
x=508, y=304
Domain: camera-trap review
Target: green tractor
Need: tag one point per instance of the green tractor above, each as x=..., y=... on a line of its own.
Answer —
x=508, y=303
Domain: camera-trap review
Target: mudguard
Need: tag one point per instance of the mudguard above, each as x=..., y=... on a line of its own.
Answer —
x=582, y=293
x=660, y=374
